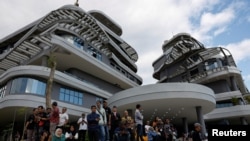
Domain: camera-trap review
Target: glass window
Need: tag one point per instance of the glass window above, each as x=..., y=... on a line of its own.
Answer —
x=28, y=85
x=211, y=64
x=93, y=52
x=78, y=42
x=71, y=96
x=99, y=99
x=222, y=105
x=2, y=91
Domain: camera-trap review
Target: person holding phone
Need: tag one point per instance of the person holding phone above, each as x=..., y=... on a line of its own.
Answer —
x=82, y=122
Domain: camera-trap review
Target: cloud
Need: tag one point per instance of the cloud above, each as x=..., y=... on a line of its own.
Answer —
x=247, y=77
x=248, y=19
x=219, y=31
x=145, y=23
x=214, y=23
x=240, y=50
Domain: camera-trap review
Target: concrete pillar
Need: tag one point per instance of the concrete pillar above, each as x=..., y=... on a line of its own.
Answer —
x=243, y=121
x=234, y=86
x=45, y=61
x=201, y=119
x=185, y=125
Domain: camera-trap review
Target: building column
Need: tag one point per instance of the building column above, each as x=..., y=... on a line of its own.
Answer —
x=243, y=121
x=201, y=119
x=185, y=125
x=234, y=86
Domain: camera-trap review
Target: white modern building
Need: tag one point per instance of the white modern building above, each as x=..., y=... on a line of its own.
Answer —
x=93, y=62
x=195, y=84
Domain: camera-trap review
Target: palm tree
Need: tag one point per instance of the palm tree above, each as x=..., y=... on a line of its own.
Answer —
x=52, y=65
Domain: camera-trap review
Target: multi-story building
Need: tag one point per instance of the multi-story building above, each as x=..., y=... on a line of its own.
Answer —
x=195, y=84
x=187, y=60
x=93, y=62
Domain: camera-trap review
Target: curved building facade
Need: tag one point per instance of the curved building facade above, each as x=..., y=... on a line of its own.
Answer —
x=195, y=83
x=93, y=62
x=186, y=60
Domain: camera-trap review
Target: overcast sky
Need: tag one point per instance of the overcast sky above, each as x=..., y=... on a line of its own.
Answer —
x=147, y=23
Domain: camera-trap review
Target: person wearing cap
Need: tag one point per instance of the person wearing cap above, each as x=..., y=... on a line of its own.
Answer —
x=196, y=134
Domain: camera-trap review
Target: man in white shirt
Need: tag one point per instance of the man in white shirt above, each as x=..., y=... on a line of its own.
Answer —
x=63, y=120
x=82, y=122
x=139, y=123
x=103, y=120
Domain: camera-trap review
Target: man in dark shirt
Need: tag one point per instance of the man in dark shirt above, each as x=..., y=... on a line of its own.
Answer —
x=122, y=133
x=30, y=125
x=93, y=127
x=41, y=118
x=196, y=134
x=115, y=121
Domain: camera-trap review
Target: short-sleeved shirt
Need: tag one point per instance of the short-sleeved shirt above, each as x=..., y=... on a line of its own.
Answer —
x=82, y=126
x=54, y=117
x=196, y=136
x=108, y=112
x=31, y=120
x=63, y=118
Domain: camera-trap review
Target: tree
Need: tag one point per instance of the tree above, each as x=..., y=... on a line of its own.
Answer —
x=52, y=65
x=235, y=100
x=247, y=98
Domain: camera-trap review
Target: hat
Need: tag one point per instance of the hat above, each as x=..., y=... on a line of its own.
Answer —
x=197, y=124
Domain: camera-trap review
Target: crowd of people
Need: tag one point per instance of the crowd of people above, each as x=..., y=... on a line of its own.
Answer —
x=101, y=124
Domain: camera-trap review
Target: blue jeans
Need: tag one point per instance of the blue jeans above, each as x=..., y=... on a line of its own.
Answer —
x=102, y=133
x=107, y=132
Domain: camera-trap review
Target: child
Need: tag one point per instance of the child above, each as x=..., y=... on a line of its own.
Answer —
x=152, y=134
